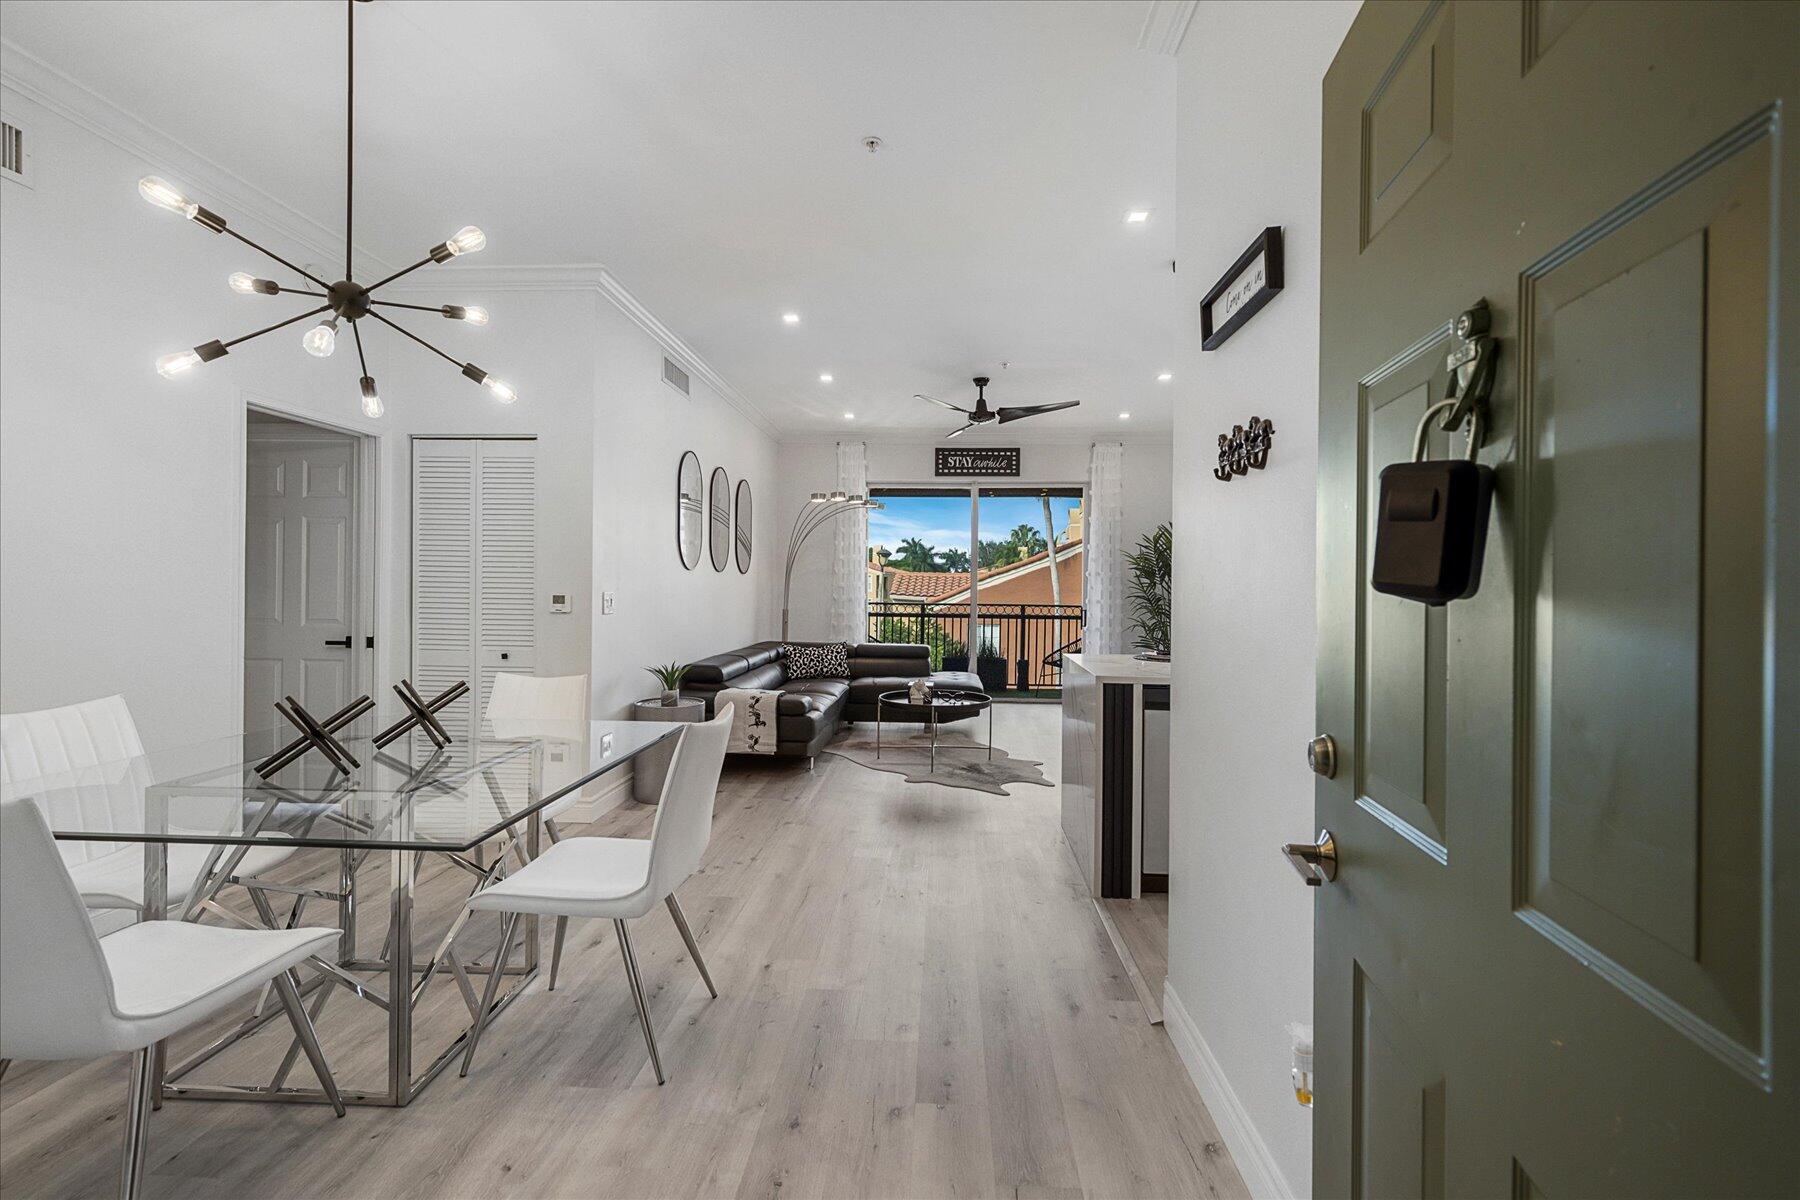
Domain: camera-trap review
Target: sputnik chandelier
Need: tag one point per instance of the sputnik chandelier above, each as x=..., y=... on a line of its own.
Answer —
x=346, y=300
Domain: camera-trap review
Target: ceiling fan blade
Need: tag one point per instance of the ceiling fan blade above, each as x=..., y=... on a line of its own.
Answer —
x=939, y=403
x=960, y=432
x=1032, y=410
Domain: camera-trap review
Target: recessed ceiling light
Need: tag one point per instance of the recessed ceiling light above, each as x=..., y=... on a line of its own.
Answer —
x=1137, y=216
x=1124, y=416
x=790, y=318
x=849, y=416
x=1164, y=377
x=825, y=378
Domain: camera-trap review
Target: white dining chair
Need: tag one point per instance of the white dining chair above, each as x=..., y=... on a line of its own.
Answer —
x=90, y=754
x=65, y=993
x=526, y=699
x=620, y=878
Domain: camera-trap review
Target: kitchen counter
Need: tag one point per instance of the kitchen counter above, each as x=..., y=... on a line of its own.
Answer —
x=1114, y=798
x=1120, y=668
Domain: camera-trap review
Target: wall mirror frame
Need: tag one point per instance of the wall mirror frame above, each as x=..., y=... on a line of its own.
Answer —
x=690, y=510
x=743, y=526
x=718, y=522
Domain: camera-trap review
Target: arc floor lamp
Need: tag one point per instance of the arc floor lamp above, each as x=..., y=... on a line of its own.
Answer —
x=821, y=509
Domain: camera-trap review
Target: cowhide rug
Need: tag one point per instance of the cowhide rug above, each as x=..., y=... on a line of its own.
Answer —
x=962, y=759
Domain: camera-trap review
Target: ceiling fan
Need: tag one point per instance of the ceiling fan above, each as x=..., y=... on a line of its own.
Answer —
x=981, y=414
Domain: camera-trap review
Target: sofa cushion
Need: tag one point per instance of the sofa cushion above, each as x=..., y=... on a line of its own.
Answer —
x=879, y=661
x=717, y=669
x=807, y=695
x=817, y=660
x=863, y=692
x=962, y=681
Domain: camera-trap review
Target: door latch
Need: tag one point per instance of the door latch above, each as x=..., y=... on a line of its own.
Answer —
x=1316, y=861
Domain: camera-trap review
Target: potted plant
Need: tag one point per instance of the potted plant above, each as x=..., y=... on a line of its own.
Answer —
x=670, y=677
x=1152, y=571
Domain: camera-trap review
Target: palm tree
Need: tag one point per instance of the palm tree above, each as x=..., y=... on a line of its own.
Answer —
x=953, y=560
x=1028, y=538
x=914, y=555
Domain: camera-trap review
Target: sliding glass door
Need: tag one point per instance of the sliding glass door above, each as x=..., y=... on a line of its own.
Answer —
x=990, y=578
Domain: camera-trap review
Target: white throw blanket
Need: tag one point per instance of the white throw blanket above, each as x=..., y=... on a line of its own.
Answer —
x=752, y=719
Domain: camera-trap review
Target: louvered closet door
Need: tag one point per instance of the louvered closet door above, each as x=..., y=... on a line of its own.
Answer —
x=474, y=568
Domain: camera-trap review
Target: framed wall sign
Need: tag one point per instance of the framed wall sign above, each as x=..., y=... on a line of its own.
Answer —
x=978, y=460
x=1253, y=279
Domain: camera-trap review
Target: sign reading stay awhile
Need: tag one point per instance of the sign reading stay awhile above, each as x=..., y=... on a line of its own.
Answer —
x=978, y=460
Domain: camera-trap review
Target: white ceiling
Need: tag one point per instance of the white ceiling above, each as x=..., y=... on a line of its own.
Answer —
x=709, y=155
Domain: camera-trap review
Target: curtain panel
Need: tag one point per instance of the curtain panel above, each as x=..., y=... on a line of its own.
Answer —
x=849, y=565
x=1103, y=583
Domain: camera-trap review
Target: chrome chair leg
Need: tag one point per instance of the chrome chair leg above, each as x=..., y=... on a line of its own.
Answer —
x=4, y=1063
x=550, y=828
x=137, y=1124
x=637, y=995
x=562, y=927
x=687, y=935
x=501, y=954
x=309, y=1038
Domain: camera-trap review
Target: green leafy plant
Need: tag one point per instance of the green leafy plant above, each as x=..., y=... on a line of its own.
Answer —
x=1151, y=593
x=922, y=629
x=670, y=676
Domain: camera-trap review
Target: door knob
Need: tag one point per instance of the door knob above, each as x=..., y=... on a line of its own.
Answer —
x=1321, y=755
x=343, y=641
x=1316, y=861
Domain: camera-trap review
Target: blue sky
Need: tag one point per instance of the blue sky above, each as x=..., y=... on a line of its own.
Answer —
x=943, y=521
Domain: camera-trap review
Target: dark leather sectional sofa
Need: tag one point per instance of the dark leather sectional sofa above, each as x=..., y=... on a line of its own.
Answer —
x=811, y=711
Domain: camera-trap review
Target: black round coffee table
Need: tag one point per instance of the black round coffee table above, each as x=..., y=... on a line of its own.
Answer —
x=946, y=704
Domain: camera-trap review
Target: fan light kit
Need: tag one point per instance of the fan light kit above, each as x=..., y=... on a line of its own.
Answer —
x=981, y=414
x=345, y=300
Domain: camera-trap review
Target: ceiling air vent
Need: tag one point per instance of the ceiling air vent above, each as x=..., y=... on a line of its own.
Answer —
x=12, y=151
x=674, y=376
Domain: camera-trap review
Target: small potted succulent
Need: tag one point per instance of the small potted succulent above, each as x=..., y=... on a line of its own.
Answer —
x=670, y=677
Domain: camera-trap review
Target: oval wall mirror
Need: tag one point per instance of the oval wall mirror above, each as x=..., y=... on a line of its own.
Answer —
x=743, y=527
x=719, y=524
x=690, y=510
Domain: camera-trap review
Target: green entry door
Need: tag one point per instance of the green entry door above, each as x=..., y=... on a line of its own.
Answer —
x=1561, y=955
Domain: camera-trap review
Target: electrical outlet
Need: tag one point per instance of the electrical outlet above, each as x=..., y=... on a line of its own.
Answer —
x=606, y=604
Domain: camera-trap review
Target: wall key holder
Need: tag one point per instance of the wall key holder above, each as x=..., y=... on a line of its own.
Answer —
x=1244, y=449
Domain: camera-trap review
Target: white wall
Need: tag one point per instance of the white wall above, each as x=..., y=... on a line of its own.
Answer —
x=811, y=466
x=121, y=493
x=1240, y=922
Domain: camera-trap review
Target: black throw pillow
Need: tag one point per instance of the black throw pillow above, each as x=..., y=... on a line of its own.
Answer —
x=830, y=661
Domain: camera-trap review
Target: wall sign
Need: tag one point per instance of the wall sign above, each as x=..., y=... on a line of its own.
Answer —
x=1253, y=279
x=978, y=460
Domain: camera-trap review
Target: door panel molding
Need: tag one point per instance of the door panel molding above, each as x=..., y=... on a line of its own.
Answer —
x=1397, y=755
x=1406, y=121
x=1651, y=864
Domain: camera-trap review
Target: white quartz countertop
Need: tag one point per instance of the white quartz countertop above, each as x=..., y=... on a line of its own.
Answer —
x=1119, y=668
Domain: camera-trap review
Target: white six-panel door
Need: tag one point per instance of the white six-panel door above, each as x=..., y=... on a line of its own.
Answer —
x=300, y=575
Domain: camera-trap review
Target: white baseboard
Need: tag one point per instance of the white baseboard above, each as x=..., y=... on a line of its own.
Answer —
x=1248, y=1150
x=616, y=791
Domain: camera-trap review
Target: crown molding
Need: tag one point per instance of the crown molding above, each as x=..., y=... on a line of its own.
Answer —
x=220, y=187
x=593, y=277
x=1154, y=440
x=1165, y=25
x=37, y=81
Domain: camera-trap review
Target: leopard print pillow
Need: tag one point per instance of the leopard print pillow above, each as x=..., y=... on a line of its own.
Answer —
x=831, y=661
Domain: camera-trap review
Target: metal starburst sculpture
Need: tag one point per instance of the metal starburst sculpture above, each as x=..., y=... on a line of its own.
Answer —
x=346, y=300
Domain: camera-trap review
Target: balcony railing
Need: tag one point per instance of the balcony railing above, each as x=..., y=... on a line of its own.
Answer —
x=1018, y=647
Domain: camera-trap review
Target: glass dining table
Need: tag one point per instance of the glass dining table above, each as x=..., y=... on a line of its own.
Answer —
x=239, y=843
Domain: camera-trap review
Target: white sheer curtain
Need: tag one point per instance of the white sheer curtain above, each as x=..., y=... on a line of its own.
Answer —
x=849, y=566
x=1103, y=586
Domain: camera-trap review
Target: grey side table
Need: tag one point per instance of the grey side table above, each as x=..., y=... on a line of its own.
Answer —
x=650, y=767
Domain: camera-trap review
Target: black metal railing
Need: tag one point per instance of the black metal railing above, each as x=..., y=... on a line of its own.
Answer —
x=1018, y=647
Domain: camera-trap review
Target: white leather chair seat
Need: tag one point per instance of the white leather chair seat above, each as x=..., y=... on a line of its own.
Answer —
x=578, y=877
x=117, y=880
x=218, y=964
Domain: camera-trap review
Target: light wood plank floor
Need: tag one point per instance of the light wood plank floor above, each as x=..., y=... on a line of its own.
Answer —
x=1141, y=936
x=917, y=999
